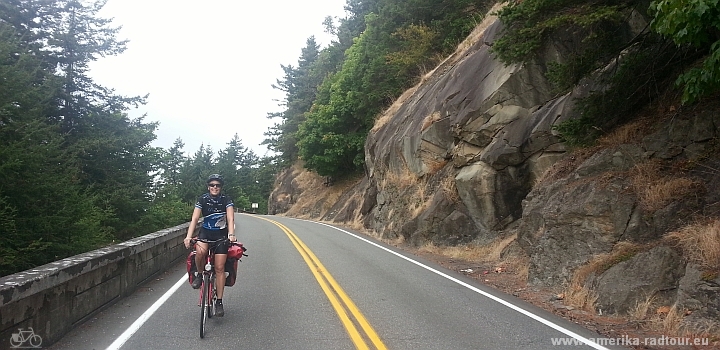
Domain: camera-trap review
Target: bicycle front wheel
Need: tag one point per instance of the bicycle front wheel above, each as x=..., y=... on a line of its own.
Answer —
x=204, y=298
x=35, y=341
x=212, y=296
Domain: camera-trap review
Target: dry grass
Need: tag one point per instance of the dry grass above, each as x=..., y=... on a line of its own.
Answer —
x=389, y=113
x=397, y=179
x=602, y=262
x=331, y=196
x=397, y=241
x=565, y=166
x=671, y=321
x=666, y=320
x=314, y=192
x=429, y=120
x=306, y=179
x=703, y=329
x=404, y=185
x=472, y=252
x=656, y=191
x=660, y=193
x=479, y=32
x=421, y=203
x=448, y=185
x=476, y=35
x=658, y=317
x=576, y=294
x=640, y=311
x=435, y=165
x=521, y=264
x=629, y=133
x=581, y=298
x=357, y=225
x=700, y=243
x=419, y=200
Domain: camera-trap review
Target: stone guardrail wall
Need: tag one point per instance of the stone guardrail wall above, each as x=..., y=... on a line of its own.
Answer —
x=53, y=298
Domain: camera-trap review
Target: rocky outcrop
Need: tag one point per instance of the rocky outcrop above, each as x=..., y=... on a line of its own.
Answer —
x=285, y=192
x=471, y=153
x=569, y=220
x=629, y=283
x=492, y=123
x=699, y=294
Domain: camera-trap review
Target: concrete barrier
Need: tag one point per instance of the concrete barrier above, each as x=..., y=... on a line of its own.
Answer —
x=53, y=298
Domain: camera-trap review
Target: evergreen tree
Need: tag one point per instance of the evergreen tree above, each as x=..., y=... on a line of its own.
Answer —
x=68, y=35
x=300, y=87
x=194, y=174
x=172, y=164
x=332, y=139
x=46, y=212
x=229, y=164
x=392, y=41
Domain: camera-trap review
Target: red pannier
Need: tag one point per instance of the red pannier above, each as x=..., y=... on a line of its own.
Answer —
x=191, y=268
x=235, y=252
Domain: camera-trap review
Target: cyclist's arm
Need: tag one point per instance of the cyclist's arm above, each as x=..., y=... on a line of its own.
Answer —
x=230, y=211
x=193, y=222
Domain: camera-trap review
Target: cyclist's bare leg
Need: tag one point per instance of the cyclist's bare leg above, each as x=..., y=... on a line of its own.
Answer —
x=220, y=273
x=201, y=249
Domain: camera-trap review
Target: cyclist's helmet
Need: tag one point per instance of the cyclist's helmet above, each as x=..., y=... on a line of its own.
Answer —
x=215, y=177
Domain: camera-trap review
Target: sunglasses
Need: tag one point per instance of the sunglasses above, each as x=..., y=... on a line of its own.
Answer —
x=215, y=185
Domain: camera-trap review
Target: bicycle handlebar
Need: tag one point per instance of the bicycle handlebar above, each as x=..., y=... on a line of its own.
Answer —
x=205, y=240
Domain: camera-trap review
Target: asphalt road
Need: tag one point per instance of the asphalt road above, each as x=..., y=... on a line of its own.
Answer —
x=307, y=285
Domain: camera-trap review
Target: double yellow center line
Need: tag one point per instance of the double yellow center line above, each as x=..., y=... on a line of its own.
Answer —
x=342, y=304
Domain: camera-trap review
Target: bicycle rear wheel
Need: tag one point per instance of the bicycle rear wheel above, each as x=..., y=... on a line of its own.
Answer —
x=203, y=303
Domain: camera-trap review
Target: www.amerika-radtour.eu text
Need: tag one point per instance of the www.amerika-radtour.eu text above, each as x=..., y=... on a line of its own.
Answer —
x=630, y=341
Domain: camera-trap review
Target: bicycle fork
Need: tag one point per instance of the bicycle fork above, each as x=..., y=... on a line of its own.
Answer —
x=208, y=271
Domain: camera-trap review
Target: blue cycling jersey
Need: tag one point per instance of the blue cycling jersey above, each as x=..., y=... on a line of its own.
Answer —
x=214, y=211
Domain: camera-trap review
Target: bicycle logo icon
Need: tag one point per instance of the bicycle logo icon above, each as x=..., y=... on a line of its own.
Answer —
x=25, y=339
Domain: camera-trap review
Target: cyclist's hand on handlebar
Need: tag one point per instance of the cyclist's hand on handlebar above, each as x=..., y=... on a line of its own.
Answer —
x=188, y=242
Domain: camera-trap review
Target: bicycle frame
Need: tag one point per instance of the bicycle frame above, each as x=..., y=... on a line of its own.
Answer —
x=22, y=337
x=209, y=264
x=208, y=289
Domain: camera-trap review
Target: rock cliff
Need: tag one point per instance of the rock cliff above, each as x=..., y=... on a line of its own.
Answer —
x=470, y=156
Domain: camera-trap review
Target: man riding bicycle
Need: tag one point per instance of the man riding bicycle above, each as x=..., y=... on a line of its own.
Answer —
x=217, y=211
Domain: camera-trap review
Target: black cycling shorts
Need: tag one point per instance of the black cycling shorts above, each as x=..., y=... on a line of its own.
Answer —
x=220, y=247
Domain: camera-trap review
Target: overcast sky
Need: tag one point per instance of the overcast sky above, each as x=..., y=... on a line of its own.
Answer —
x=209, y=65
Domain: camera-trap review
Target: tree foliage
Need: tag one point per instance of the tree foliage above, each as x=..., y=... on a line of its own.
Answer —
x=382, y=48
x=78, y=173
x=695, y=23
x=47, y=213
x=641, y=61
x=332, y=139
x=592, y=28
x=300, y=87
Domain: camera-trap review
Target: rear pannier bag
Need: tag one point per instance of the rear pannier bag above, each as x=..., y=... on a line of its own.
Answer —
x=231, y=264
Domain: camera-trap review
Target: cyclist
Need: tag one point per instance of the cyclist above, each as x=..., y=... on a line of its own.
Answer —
x=217, y=211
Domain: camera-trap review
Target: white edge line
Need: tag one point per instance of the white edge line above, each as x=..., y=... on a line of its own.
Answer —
x=486, y=294
x=145, y=316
